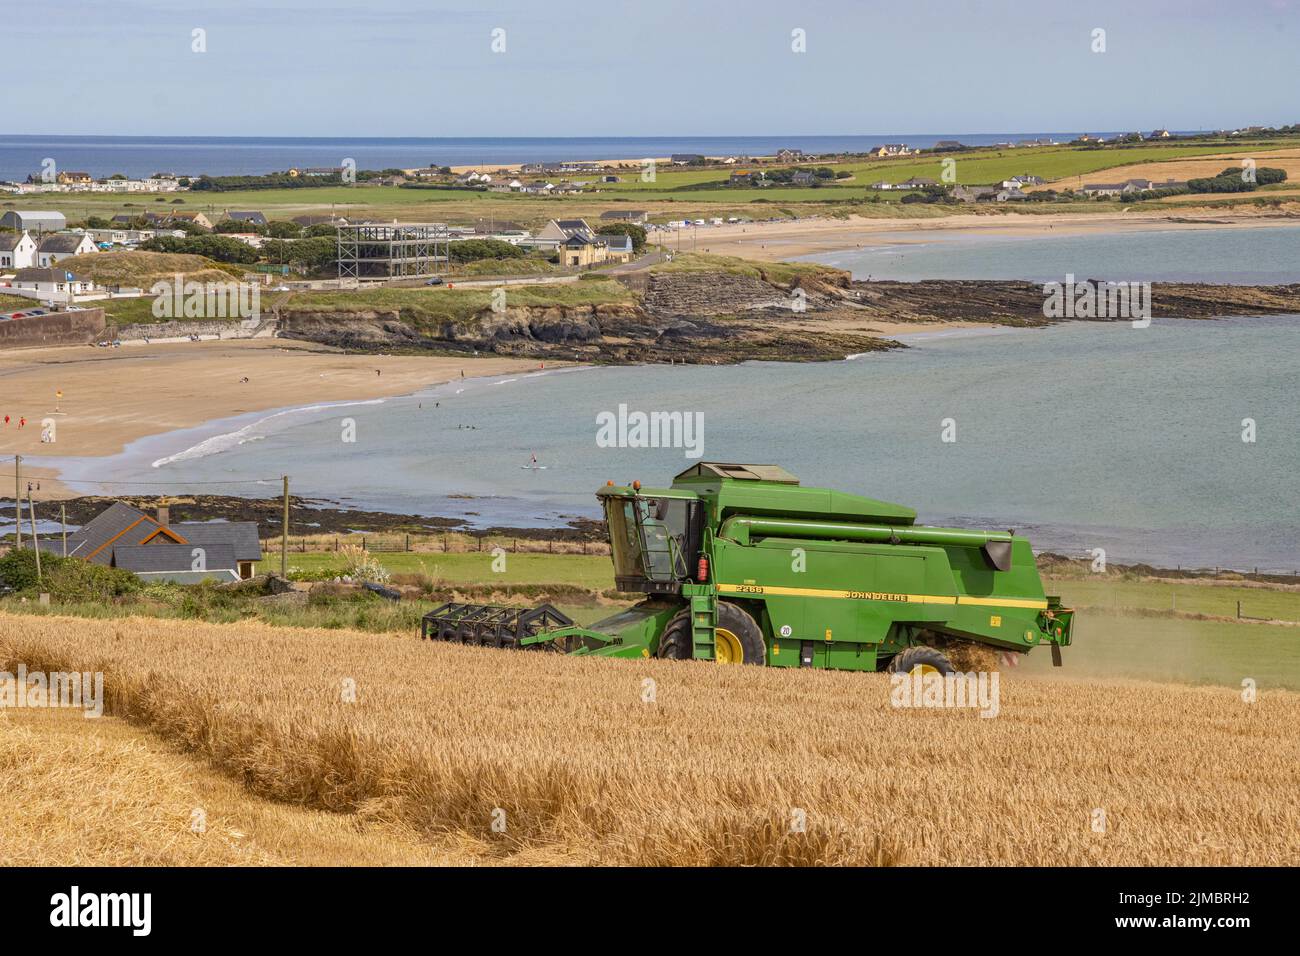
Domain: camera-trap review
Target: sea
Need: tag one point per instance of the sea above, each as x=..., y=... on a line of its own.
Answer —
x=139, y=156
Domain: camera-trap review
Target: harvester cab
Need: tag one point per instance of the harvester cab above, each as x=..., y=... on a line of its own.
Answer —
x=741, y=564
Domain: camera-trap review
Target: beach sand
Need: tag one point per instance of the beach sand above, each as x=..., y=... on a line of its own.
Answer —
x=112, y=397
x=771, y=241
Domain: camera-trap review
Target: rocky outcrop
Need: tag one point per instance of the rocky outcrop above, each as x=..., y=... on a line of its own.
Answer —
x=1021, y=303
x=723, y=317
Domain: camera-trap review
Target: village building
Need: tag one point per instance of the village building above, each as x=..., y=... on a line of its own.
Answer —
x=154, y=549
x=50, y=284
x=250, y=217
x=35, y=221
x=17, y=250
x=63, y=245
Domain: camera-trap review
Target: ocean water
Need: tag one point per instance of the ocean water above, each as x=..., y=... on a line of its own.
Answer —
x=1081, y=436
x=1244, y=256
x=135, y=156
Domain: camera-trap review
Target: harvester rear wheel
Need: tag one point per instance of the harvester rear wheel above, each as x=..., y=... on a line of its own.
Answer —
x=920, y=657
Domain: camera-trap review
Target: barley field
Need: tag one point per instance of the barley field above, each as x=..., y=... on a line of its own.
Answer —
x=509, y=757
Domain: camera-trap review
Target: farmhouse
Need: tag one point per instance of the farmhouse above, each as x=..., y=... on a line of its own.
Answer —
x=63, y=245
x=156, y=550
x=917, y=182
x=789, y=155
x=70, y=179
x=686, y=159
x=33, y=221
x=17, y=250
x=891, y=149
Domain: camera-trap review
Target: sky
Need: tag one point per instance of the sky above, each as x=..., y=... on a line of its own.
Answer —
x=644, y=68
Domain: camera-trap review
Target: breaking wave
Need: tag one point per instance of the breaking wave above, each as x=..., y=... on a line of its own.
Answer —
x=256, y=431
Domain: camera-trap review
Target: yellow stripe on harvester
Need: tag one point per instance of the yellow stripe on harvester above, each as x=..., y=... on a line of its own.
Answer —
x=891, y=596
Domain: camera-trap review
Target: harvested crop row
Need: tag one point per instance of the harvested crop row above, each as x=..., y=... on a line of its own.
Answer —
x=650, y=762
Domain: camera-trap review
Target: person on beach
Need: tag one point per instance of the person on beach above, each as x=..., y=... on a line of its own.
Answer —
x=6, y=420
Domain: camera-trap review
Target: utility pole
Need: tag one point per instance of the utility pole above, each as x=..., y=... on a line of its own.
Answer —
x=284, y=533
x=31, y=512
x=63, y=521
x=18, y=502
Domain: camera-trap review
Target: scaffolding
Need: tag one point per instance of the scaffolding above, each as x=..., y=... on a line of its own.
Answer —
x=393, y=250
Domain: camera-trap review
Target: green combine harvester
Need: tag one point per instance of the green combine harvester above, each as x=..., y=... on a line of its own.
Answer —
x=742, y=565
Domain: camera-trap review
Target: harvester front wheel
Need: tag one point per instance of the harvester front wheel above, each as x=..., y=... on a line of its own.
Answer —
x=737, y=639
x=920, y=658
x=675, y=643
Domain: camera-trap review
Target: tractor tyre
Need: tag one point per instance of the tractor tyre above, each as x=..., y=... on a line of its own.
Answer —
x=738, y=638
x=677, y=643
x=926, y=658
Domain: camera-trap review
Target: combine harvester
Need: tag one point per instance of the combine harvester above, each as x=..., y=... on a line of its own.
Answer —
x=741, y=565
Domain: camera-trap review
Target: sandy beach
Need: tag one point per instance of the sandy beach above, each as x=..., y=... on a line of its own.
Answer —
x=786, y=239
x=112, y=397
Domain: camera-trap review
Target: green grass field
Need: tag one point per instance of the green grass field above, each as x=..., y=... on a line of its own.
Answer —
x=669, y=196
x=1219, y=600
x=1111, y=645
x=443, y=304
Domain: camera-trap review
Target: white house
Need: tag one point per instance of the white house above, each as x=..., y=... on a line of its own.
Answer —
x=50, y=283
x=63, y=245
x=17, y=250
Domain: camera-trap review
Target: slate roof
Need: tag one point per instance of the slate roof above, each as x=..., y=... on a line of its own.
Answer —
x=241, y=536
x=37, y=274
x=120, y=527
x=61, y=242
x=246, y=216
x=173, y=557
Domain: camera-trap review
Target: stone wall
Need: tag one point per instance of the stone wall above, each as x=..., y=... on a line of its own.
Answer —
x=79, y=327
x=215, y=328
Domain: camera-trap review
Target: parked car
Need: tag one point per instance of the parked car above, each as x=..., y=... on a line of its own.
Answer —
x=436, y=280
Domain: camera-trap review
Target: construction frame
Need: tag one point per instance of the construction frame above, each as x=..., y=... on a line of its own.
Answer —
x=393, y=250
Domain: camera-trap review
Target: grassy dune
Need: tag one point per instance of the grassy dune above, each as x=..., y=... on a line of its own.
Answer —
x=585, y=761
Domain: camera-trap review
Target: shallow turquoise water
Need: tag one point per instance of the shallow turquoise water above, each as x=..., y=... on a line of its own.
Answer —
x=1083, y=435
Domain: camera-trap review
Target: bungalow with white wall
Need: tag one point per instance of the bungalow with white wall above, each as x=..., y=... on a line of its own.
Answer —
x=49, y=284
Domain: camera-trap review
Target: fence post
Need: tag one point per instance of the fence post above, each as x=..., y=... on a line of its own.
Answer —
x=408, y=541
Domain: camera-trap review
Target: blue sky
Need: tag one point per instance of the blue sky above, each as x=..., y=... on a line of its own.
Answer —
x=667, y=67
